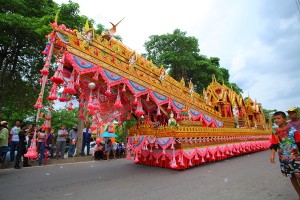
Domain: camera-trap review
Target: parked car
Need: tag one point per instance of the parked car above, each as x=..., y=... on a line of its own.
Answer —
x=92, y=145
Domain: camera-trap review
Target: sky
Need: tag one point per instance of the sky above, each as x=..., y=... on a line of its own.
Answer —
x=258, y=41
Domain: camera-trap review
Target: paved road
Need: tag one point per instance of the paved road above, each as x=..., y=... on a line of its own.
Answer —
x=240, y=178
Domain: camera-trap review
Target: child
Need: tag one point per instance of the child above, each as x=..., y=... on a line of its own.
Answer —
x=287, y=140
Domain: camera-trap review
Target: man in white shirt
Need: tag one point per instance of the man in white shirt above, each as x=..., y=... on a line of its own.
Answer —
x=14, y=139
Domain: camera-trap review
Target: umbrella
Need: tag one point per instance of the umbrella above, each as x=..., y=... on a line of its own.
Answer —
x=107, y=134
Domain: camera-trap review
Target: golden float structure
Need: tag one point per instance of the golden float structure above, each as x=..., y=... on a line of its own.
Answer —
x=177, y=128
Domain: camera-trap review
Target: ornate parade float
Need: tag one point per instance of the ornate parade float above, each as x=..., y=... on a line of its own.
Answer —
x=176, y=128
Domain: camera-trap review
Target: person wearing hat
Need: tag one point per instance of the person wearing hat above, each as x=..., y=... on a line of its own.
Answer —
x=73, y=139
x=3, y=140
x=295, y=121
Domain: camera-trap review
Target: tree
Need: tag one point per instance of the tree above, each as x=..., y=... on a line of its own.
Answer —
x=24, y=25
x=180, y=54
x=126, y=125
x=64, y=117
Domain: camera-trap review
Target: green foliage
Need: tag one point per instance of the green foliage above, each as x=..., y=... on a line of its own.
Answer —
x=64, y=117
x=268, y=114
x=69, y=15
x=122, y=133
x=23, y=27
x=180, y=54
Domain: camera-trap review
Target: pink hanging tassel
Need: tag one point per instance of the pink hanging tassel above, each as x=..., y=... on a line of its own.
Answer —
x=213, y=157
x=173, y=164
x=47, y=123
x=202, y=160
x=124, y=89
x=118, y=103
x=207, y=155
x=135, y=101
x=181, y=161
x=169, y=106
x=70, y=86
x=52, y=95
x=136, y=159
x=139, y=109
x=158, y=111
x=80, y=115
x=90, y=105
x=150, y=157
x=70, y=106
x=58, y=77
x=148, y=97
x=196, y=157
x=172, y=146
x=77, y=82
x=63, y=97
x=108, y=92
x=45, y=70
x=95, y=77
x=177, y=116
x=156, y=162
x=38, y=103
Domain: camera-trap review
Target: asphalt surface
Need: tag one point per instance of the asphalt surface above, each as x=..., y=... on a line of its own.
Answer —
x=241, y=178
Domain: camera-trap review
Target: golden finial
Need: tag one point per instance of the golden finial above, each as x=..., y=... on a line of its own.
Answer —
x=86, y=26
x=56, y=17
x=214, y=78
x=182, y=83
x=191, y=85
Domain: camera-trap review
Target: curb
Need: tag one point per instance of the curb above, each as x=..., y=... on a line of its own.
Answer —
x=8, y=165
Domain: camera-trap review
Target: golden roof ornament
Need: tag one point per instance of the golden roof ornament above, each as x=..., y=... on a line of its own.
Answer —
x=110, y=33
x=162, y=73
x=88, y=34
x=56, y=17
x=192, y=90
x=182, y=83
